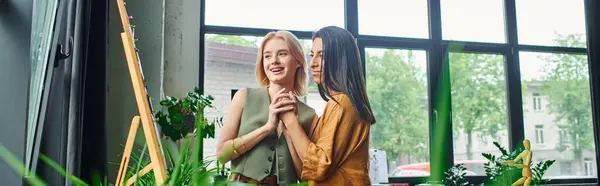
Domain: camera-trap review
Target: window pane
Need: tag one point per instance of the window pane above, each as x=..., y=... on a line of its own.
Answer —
x=542, y=22
x=478, y=90
x=402, y=18
x=42, y=34
x=230, y=62
x=307, y=15
x=539, y=134
x=397, y=89
x=482, y=21
x=563, y=85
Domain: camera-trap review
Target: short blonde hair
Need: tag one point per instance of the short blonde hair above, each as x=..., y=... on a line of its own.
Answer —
x=295, y=49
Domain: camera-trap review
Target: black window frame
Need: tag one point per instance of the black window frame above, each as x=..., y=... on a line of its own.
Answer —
x=437, y=60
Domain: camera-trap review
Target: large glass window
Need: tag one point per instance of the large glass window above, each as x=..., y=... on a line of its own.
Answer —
x=393, y=18
x=478, y=92
x=396, y=81
x=556, y=99
x=541, y=22
x=473, y=20
x=307, y=15
x=562, y=81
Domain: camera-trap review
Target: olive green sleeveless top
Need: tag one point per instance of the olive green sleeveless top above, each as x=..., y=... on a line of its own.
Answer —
x=271, y=156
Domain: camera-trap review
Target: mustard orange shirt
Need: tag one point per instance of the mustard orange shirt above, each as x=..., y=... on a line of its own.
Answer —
x=339, y=150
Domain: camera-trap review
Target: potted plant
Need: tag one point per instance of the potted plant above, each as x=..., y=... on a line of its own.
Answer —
x=179, y=116
x=454, y=176
x=502, y=174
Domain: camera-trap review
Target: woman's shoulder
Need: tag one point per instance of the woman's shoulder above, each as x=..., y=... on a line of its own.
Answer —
x=341, y=99
x=340, y=102
x=241, y=95
x=239, y=98
x=249, y=92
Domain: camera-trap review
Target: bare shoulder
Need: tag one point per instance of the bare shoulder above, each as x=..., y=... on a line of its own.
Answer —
x=239, y=99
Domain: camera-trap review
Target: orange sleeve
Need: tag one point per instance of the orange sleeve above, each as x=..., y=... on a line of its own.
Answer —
x=324, y=155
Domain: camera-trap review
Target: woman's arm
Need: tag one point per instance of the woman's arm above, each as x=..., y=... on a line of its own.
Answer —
x=295, y=159
x=228, y=146
x=340, y=134
x=298, y=137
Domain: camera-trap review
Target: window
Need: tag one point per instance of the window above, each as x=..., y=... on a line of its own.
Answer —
x=558, y=18
x=400, y=44
x=482, y=21
x=478, y=95
x=289, y=15
x=539, y=134
x=230, y=62
x=564, y=82
x=396, y=80
x=403, y=18
x=42, y=38
x=563, y=136
x=588, y=167
x=537, y=102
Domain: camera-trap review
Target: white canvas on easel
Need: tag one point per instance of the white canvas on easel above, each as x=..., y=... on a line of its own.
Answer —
x=378, y=169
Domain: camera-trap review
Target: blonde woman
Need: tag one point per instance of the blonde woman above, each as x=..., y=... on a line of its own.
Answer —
x=251, y=135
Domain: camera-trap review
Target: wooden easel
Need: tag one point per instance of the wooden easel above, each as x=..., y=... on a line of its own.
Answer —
x=157, y=161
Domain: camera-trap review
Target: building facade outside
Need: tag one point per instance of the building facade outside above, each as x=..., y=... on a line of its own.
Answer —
x=544, y=135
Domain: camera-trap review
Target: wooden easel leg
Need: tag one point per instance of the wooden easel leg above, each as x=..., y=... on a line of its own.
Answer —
x=135, y=123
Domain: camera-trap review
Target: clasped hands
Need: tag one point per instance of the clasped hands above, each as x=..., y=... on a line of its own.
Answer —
x=283, y=107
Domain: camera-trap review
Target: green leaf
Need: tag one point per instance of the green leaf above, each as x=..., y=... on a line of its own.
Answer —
x=174, y=178
x=139, y=165
x=165, y=103
x=502, y=149
x=18, y=166
x=62, y=171
x=176, y=118
x=210, y=130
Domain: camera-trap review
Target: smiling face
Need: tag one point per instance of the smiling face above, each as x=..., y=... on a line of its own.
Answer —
x=278, y=64
x=316, y=61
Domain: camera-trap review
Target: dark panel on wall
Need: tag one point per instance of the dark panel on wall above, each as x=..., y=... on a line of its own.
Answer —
x=93, y=150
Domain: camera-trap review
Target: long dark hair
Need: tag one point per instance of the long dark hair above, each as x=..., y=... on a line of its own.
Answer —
x=343, y=70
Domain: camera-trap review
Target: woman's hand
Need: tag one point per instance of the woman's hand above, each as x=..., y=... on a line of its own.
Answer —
x=292, y=97
x=280, y=104
x=287, y=116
